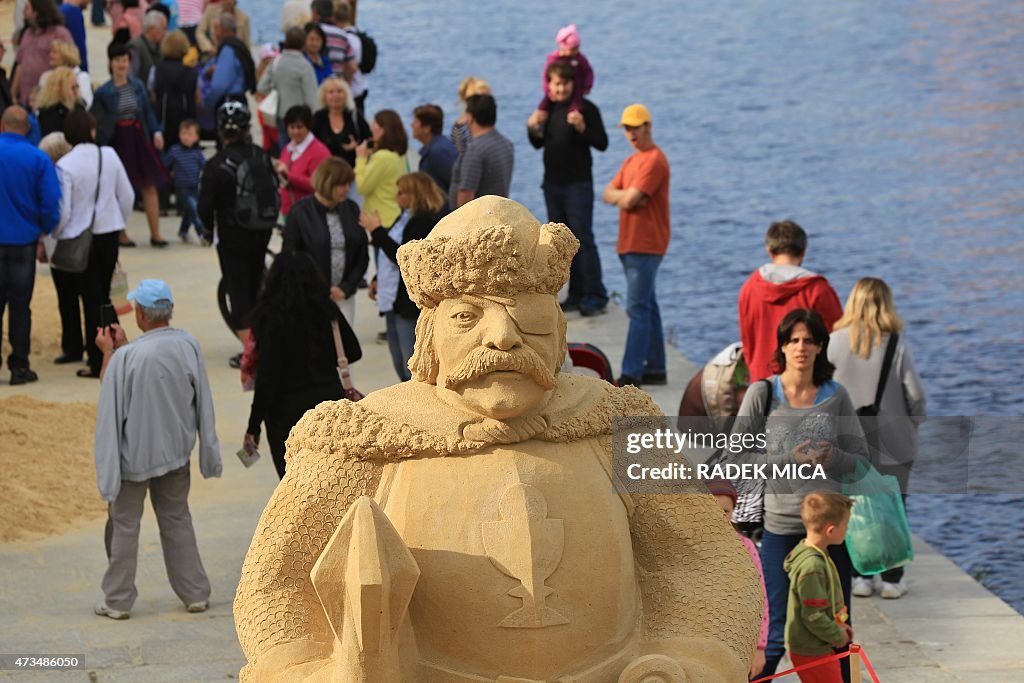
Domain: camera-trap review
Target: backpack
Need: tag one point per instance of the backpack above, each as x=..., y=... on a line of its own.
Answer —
x=723, y=382
x=369, y=57
x=257, y=200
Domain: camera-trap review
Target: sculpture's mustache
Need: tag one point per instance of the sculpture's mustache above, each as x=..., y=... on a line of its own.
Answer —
x=483, y=361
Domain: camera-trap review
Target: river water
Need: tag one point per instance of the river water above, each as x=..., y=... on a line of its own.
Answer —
x=892, y=132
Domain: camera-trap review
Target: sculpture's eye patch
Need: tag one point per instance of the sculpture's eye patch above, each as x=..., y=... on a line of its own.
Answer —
x=534, y=313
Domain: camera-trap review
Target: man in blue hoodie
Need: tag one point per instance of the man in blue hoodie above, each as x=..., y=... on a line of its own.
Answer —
x=29, y=207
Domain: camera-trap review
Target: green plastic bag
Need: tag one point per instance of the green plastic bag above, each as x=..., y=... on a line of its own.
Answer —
x=878, y=537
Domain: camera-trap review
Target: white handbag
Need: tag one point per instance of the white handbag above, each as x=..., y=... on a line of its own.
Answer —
x=268, y=105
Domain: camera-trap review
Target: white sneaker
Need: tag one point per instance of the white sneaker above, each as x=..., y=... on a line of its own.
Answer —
x=195, y=607
x=863, y=586
x=893, y=591
x=102, y=610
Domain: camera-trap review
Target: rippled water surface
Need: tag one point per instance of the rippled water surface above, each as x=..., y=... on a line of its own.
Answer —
x=893, y=132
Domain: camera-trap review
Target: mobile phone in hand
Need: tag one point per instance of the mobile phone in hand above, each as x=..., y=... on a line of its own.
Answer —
x=108, y=316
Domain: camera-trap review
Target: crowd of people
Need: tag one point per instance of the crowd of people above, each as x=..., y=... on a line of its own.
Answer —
x=340, y=182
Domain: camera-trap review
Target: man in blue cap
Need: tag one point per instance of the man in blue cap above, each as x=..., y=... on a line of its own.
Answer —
x=154, y=399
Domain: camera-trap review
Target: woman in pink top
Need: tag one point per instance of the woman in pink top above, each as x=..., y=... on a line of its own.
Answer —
x=43, y=25
x=725, y=494
x=300, y=157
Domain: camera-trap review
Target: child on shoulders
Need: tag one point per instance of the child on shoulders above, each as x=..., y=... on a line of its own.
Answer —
x=568, y=39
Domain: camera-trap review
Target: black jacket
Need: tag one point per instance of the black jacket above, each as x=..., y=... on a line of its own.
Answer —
x=297, y=369
x=175, y=87
x=217, y=194
x=567, y=156
x=419, y=227
x=355, y=127
x=306, y=230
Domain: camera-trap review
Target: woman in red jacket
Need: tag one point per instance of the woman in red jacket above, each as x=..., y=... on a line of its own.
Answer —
x=300, y=157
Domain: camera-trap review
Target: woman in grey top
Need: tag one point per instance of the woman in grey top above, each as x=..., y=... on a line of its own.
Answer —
x=293, y=77
x=857, y=349
x=810, y=421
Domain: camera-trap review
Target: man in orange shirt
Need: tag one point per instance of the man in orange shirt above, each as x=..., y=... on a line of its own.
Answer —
x=640, y=190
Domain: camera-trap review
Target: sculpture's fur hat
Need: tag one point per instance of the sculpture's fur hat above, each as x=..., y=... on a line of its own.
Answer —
x=491, y=245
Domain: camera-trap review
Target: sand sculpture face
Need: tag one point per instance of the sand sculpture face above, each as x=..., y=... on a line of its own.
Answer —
x=491, y=335
x=497, y=356
x=465, y=526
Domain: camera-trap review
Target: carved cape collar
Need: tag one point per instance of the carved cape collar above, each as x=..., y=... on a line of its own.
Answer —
x=409, y=420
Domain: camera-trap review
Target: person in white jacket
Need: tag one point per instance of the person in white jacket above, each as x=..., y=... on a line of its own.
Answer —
x=96, y=195
x=154, y=400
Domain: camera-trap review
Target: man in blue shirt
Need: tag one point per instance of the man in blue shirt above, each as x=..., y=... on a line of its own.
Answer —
x=234, y=71
x=438, y=154
x=75, y=23
x=29, y=207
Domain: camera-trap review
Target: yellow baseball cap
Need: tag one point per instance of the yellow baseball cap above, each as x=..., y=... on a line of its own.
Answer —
x=635, y=115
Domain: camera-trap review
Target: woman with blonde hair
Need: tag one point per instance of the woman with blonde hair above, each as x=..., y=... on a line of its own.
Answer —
x=422, y=204
x=861, y=340
x=57, y=98
x=338, y=124
x=471, y=85
x=64, y=53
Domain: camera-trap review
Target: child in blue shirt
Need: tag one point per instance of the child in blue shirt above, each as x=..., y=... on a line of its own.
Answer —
x=185, y=161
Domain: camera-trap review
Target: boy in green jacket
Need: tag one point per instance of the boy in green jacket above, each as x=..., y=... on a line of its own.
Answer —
x=816, y=613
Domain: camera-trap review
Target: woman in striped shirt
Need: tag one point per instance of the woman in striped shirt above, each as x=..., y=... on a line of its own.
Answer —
x=126, y=121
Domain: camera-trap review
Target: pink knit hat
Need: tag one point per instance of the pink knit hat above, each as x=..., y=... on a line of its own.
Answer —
x=568, y=37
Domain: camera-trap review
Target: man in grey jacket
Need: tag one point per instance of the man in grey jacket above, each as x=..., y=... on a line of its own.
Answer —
x=154, y=398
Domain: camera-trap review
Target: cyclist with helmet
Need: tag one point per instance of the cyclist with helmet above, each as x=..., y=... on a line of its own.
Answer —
x=236, y=186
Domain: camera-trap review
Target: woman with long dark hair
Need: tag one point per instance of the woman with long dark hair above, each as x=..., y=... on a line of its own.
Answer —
x=43, y=25
x=858, y=346
x=126, y=122
x=292, y=326
x=422, y=204
x=812, y=421
x=380, y=164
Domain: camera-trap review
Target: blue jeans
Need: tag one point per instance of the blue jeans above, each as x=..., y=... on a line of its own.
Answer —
x=188, y=200
x=573, y=204
x=97, y=12
x=645, y=342
x=17, y=279
x=774, y=548
x=401, y=340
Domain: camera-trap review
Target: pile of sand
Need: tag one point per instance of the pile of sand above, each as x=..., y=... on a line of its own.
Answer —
x=45, y=321
x=49, y=480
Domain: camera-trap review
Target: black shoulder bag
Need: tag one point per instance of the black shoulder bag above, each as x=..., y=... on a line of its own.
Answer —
x=867, y=414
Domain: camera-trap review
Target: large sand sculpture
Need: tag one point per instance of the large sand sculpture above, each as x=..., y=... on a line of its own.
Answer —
x=463, y=526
